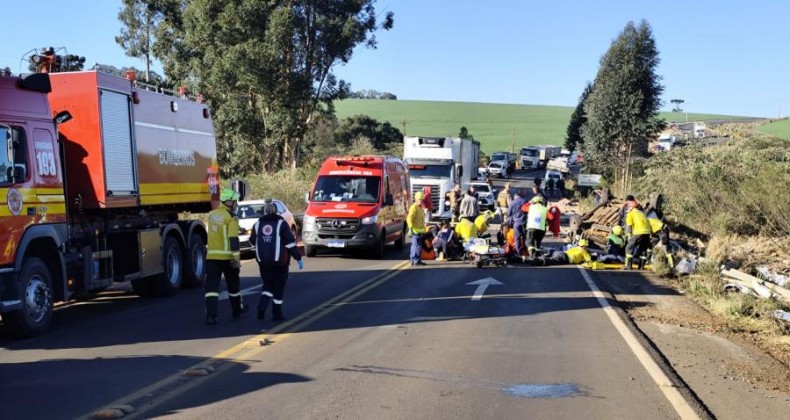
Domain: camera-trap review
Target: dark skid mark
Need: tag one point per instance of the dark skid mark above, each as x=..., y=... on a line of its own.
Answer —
x=543, y=390
x=518, y=390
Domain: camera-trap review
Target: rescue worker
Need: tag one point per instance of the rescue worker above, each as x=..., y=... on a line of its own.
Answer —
x=637, y=227
x=574, y=255
x=503, y=202
x=416, y=222
x=468, y=209
x=481, y=221
x=275, y=245
x=615, y=243
x=630, y=201
x=454, y=197
x=516, y=216
x=536, y=224
x=465, y=230
x=223, y=257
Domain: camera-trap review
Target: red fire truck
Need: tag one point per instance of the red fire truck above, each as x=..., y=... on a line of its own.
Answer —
x=94, y=172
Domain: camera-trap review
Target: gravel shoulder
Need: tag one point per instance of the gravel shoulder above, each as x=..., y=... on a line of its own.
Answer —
x=736, y=374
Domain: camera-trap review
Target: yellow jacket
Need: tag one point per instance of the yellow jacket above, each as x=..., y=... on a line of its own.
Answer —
x=636, y=223
x=223, y=235
x=416, y=218
x=466, y=230
x=481, y=223
x=578, y=254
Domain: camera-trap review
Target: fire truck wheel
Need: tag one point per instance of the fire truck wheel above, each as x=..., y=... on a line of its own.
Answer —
x=143, y=287
x=35, y=286
x=196, y=261
x=401, y=239
x=169, y=282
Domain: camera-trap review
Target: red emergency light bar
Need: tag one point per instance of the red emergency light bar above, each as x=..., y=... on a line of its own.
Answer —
x=355, y=159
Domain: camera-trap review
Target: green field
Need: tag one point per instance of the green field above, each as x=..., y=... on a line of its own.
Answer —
x=779, y=128
x=496, y=126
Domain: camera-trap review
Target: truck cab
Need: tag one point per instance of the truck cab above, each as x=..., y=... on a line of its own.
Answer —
x=357, y=202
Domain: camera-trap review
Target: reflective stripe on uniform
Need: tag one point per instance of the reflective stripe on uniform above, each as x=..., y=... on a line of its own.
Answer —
x=277, y=302
x=291, y=245
x=277, y=242
x=216, y=252
x=265, y=293
x=234, y=294
x=212, y=294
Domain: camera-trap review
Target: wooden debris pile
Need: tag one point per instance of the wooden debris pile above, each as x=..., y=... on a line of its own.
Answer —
x=597, y=224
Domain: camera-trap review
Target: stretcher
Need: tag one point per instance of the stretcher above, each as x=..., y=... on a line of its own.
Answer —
x=597, y=265
x=481, y=253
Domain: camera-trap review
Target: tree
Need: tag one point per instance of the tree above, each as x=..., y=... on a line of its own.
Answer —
x=677, y=103
x=140, y=19
x=622, y=109
x=578, y=118
x=266, y=65
x=464, y=134
x=357, y=126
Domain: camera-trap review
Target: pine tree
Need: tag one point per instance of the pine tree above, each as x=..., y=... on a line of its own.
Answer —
x=578, y=118
x=622, y=109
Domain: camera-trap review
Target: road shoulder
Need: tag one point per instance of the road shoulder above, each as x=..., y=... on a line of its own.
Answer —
x=730, y=376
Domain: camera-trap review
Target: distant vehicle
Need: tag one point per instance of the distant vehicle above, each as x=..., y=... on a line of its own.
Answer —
x=499, y=168
x=508, y=157
x=699, y=130
x=357, y=202
x=553, y=174
x=249, y=212
x=534, y=157
x=667, y=141
x=484, y=193
x=440, y=163
x=563, y=163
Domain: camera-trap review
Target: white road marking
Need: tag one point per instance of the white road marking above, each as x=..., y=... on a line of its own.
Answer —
x=223, y=295
x=482, y=285
x=681, y=406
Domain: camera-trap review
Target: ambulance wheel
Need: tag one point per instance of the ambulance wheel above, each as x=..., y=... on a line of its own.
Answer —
x=196, y=262
x=401, y=239
x=169, y=282
x=378, y=252
x=35, y=286
x=310, y=251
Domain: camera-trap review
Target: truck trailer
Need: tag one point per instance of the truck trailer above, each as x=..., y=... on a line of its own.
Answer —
x=440, y=163
x=535, y=157
x=93, y=195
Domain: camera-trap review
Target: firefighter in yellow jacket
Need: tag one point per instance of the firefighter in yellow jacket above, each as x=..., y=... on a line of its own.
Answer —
x=574, y=255
x=638, y=230
x=416, y=221
x=223, y=257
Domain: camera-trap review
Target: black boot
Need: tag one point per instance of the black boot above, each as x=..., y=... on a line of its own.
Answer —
x=641, y=263
x=242, y=310
x=262, y=306
x=277, y=312
x=628, y=261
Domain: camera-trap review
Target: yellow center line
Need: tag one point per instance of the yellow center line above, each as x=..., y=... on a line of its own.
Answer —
x=174, y=385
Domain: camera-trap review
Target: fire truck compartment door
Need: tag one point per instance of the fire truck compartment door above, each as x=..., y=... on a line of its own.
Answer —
x=117, y=143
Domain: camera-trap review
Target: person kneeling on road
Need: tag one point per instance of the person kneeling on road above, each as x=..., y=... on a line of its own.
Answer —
x=444, y=243
x=575, y=255
x=275, y=245
x=416, y=222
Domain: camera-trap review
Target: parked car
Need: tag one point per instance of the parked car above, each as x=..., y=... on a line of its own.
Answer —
x=249, y=212
x=499, y=168
x=485, y=195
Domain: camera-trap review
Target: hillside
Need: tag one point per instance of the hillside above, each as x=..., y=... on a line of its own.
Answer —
x=496, y=126
x=779, y=128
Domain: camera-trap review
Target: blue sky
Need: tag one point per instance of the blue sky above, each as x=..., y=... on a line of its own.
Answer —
x=720, y=57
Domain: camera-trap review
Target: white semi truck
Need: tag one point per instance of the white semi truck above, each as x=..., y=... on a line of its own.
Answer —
x=439, y=163
x=534, y=157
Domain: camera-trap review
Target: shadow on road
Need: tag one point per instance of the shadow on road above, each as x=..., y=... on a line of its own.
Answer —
x=58, y=388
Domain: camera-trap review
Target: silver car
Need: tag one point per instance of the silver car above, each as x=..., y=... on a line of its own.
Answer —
x=249, y=212
x=499, y=169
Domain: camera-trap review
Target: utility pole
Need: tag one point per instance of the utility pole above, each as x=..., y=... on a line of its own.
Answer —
x=403, y=122
x=513, y=146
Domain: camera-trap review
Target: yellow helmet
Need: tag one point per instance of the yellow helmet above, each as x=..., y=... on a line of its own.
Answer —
x=418, y=196
x=617, y=230
x=228, y=194
x=583, y=242
x=537, y=199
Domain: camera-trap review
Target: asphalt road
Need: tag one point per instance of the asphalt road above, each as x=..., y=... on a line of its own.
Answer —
x=365, y=339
